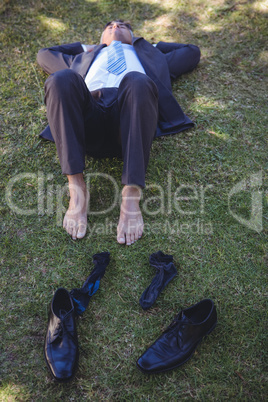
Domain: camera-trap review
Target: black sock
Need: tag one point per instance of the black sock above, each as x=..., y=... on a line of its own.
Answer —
x=165, y=272
x=82, y=296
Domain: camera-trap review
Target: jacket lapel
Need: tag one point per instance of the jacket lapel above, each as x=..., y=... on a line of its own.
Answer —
x=171, y=117
x=83, y=61
x=153, y=61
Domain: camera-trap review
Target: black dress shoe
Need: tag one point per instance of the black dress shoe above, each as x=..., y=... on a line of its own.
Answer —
x=176, y=345
x=61, y=343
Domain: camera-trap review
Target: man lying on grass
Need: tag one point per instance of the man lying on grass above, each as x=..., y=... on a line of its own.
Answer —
x=109, y=100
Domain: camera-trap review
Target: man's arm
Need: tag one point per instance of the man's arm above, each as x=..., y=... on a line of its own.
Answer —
x=180, y=58
x=57, y=58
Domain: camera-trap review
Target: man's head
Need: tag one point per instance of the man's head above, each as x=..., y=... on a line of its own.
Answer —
x=117, y=30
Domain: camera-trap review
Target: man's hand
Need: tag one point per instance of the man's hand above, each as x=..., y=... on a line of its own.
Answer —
x=90, y=47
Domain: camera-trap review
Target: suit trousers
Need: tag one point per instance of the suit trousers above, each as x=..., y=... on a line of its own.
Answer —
x=110, y=122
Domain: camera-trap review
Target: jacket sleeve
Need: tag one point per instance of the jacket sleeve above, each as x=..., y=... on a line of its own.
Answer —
x=180, y=58
x=57, y=58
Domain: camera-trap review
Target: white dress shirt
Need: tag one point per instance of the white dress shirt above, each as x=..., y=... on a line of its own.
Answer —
x=99, y=77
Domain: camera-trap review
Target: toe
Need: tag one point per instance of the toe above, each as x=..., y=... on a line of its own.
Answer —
x=128, y=240
x=121, y=239
x=120, y=235
x=82, y=228
x=68, y=228
x=136, y=236
x=71, y=228
x=74, y=234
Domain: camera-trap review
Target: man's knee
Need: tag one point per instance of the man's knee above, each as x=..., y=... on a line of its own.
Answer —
x=61, y=80
x=138, y=83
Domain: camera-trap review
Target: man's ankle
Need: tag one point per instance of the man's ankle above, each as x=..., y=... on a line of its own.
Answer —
x=77, y=180
x=131, y=191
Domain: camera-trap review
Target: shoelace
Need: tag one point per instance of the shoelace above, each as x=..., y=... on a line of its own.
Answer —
x=177, y=324
x=62, y=329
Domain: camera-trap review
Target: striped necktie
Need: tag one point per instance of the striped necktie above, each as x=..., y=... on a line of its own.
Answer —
x=116, y=60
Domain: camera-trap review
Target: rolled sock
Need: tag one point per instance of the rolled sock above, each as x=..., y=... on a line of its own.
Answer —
x=82, y=296
x=165, y=272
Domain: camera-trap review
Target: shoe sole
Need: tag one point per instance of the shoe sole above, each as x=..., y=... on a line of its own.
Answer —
x=180, y=364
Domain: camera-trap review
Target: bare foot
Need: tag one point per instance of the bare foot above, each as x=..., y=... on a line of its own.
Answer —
x=130, y=225
x=75, y=220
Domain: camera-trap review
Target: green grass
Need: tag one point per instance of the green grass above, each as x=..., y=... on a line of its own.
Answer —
x=216, y=255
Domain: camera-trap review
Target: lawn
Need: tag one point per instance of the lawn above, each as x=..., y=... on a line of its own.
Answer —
x=205, y=203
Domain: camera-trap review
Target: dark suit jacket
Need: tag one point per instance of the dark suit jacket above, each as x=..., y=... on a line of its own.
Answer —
x=161, y=63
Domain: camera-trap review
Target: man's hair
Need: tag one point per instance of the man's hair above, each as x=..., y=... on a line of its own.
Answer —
x=126, y=23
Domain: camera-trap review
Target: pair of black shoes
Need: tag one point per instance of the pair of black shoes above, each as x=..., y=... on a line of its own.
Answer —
x=172, y=349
